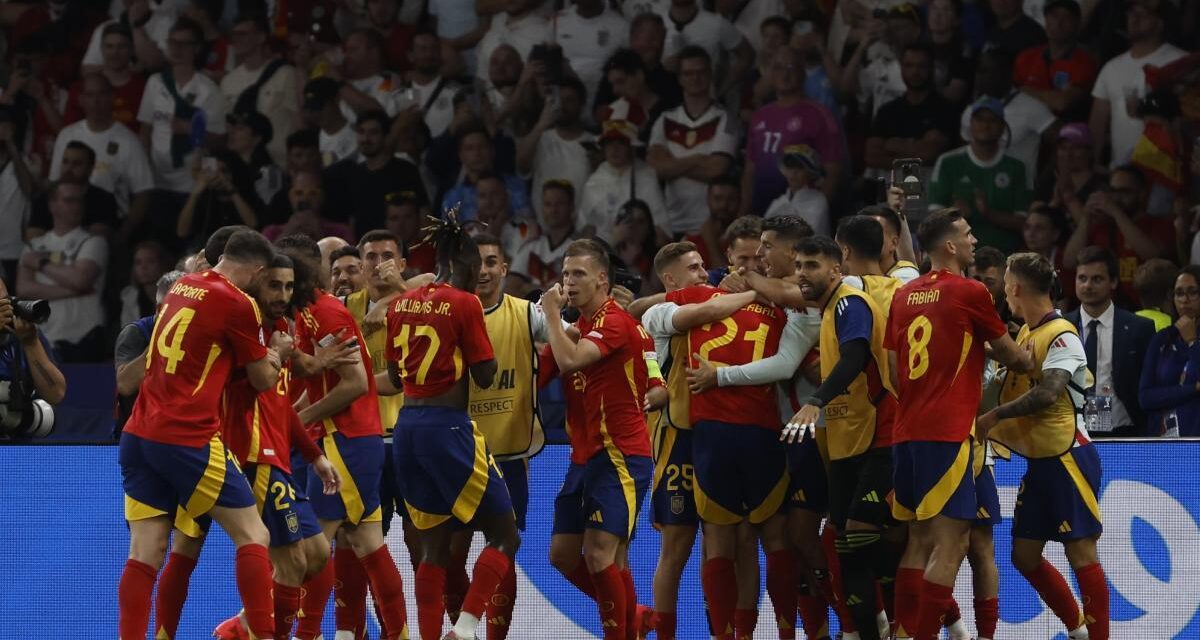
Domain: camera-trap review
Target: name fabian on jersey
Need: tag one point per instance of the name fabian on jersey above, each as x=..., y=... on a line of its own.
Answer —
x=918, y=298
x=405, y=305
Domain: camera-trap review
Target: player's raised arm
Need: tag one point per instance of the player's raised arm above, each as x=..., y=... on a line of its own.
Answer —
x=569, y=355
x=715, y=309
x=778, y=292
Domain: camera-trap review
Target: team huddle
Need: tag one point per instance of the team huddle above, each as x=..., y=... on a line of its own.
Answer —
x=824, y=403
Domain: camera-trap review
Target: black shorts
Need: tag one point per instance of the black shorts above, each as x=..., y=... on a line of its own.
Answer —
x=859, y=487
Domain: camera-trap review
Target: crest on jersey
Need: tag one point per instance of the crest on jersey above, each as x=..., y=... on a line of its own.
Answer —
x=676, y=505
x=293, y=523
x=1002, y=181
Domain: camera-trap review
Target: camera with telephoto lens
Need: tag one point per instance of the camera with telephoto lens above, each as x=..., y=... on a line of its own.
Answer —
x=31, y=311
x=21, y=416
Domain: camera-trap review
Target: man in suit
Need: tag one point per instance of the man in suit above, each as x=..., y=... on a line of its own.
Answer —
x=1114, y=340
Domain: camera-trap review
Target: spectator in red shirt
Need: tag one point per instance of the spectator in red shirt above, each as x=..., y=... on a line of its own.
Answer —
x=1116, y=218
x=116, y=48
x=1059, y=73
x=397, y=36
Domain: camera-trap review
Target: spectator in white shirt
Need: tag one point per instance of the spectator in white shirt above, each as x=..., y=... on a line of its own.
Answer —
x=121, y=167
x=368, y=86
x=688, y=24
x=539, y=262
x=168, y=112
x=801, y=166
x=272, y=80
x=589, y=32
x=619, y=179
x=432, y=92
x=150, y=25
x=66, y=266
x=873, y=72
x=337, y=138
x=522, y=26
x=1122, y=81
x=16, y=190
x=691, y=144
x=557, y=146
x=459, y=26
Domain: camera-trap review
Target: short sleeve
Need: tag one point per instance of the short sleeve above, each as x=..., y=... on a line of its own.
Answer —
x=659, y=320
x=131, y=342
x=730, y=36
x=726, y=137
x=852, y=319
x=658, y=133
x=93, y=57
x=149, y=93
x=95, y=249
x=332, y=318
x=476, y=345
x=243, y=328
x=982, y=310
x=906, y=274
x=609, y=335
x=1066, y=353
x=1101, y=90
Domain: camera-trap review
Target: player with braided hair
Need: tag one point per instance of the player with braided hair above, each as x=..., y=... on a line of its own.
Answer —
x=444, y=469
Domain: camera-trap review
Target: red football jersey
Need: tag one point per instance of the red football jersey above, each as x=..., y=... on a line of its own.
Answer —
x=753, y=333
x=254, y=424
x=321, y=323
x=937, y=327
x=205, y=328
x=613, y=388
x=435, y=332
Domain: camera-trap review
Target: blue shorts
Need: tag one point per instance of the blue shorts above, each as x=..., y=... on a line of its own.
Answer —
x=672, y=499
x=605, y=494
x=160, y=479
x=443, y=468
x=516, y=478
x=391, y=503
x=741, y=472
x=988, y=512
x=284, y=507
x=1057, y=500
x=809, y=486
x=933, y=479
x=359, y=461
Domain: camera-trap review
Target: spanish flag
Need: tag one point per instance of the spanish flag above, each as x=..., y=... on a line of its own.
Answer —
x=1157, y=154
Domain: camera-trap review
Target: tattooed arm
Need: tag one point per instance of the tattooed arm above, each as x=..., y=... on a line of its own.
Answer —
x=1053, y=385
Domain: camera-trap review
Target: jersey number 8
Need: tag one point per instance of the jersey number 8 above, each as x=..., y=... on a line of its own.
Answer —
x=920, y=333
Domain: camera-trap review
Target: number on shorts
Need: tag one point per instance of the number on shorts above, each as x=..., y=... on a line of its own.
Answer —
x=401, y=342
x=920, y=332
x=282, y=490
x=169, y=341
x=680, y=475
x=758, y=338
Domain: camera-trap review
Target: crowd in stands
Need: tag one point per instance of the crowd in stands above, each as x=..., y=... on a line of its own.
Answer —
x=130, y=130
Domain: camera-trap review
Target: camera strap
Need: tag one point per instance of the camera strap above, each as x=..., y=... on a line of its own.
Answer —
x=433, y=95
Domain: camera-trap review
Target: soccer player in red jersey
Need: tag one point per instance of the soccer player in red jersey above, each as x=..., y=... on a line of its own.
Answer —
x=344, y=414
x=937, y=327
x=741, y=467
x=597, y=507
x=170, y=454
x=1040, y=416
x=436, y=335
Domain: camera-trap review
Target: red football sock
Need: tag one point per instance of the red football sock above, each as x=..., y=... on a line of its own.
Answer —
x=813, y=616
x=1093, y=586
x=134, y=594
x=490, y=569
x=500, y=607
x=388, y=589
x=349, y=591
x=582, y=580
x=172, y=591
x=744, y=623
x=1053, y=589
x=287, y=603
x=908, y=601
x=610, y=599
x=254, y=581
x=431, y=584
x=987, y=614
x=781, y=586
x=314, y=595
x=664, y=627
x=953, y=613
x=631, y=604
x=719, y=579
x=935, y=599
x=457, y=584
